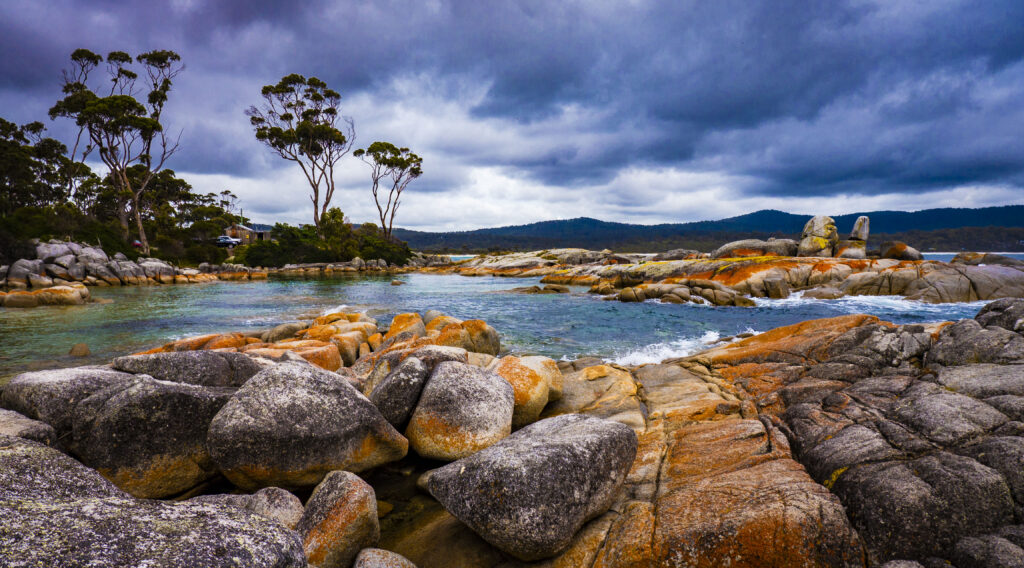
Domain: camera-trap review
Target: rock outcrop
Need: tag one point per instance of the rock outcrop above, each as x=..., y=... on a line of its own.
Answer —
x=148, y=436
x=205, y=368
x=917, y=430
x=756, y=247
x=60, y=265
x=819, y=237
x=272, y=503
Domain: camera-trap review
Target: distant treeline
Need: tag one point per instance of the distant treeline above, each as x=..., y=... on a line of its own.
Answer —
x=991, y=228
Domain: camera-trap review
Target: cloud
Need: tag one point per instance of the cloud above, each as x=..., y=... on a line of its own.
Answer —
x=640, y=110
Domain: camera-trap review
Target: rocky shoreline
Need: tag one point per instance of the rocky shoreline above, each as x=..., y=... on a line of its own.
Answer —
x=336, y=442
x=820, y=265
x=62, y=270
x=732, y=281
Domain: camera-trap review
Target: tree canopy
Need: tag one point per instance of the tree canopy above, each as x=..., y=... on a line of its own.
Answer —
x=123, y=131
x=300, y=120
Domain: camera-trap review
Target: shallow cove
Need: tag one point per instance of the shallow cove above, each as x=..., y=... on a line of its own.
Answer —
x=140, y=317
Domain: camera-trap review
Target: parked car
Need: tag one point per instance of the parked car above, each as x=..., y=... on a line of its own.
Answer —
x=226, y=241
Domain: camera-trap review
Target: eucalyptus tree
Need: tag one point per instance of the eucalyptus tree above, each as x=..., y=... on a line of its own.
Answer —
x=31, y=167
x=112, y=122
x=396, y=167
x=300, y=120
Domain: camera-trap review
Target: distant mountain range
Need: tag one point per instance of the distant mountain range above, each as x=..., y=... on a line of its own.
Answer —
x=987, y=228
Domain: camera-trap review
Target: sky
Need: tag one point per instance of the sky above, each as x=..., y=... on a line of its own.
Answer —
x=633, y=111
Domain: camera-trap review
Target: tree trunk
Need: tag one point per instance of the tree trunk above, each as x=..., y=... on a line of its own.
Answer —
x=138, y=224
x=122, y=218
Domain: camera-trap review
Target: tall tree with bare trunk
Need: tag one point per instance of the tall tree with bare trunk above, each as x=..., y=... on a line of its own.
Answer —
x=396, y=167
x=300, y=120
x=123, y=131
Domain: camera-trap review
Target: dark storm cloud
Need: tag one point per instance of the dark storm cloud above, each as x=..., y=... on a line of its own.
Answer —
x=797, y=98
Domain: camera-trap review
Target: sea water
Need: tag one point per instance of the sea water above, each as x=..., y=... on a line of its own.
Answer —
x=556, y=325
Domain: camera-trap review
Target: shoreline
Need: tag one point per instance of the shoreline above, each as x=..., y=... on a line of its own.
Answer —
x=767, y=413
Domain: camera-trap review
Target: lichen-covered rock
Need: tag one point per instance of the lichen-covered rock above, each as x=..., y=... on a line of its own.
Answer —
x=756, y=247
x=340, y=520
x=819, y=237
x=206, y=368
x=396, y=396
x=148, y=436
x=406, y=326
x=900, y=251
x=919, y=508
x=967, y=342
x=292, y=424
x=462, y=410
x=1007, y=313
x=851, y=249
x=378, y=558
x=271, y=502
x=483, y=338
x=582, y=461
x=15, y=424
x=861, y=228
x=51, y=396
x=531, y=379
x=56, y=512
x=283, y=331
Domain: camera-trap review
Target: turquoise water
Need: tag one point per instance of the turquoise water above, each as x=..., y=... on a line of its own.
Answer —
x=138, y=318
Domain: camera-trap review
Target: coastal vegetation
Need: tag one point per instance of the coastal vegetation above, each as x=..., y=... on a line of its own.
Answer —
x=337, y=241
x=137, y=206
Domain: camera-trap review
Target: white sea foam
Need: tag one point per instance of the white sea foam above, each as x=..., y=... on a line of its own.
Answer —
x=879, y=305
x=658, y=352
x=336, y=309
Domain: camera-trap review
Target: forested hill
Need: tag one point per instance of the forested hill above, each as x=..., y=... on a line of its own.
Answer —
x=995, y=228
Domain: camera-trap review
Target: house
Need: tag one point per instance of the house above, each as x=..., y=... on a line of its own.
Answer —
x=249, y=234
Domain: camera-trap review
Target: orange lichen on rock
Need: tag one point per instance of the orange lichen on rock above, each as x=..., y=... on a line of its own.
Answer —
x=226, y=340
x=409, y=322
x=324, y=356
x=797, y=344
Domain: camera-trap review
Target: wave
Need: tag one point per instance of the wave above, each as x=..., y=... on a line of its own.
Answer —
x=335, y=309
x=658, y=352
x=878, y=305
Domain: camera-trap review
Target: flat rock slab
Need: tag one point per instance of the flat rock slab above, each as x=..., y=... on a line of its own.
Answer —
x=207, y=368
x=982, y=381
x=582, y=461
